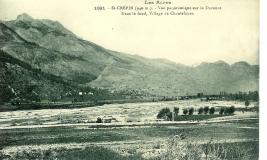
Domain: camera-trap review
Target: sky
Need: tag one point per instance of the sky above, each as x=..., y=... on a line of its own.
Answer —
x=230, y=34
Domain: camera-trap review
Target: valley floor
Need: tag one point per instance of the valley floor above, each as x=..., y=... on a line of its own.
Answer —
x=136, y=134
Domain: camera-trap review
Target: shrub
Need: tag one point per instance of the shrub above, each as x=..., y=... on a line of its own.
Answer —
x=184, y=151
x=185, y=111
x=212, y=110
x=191, y=111
x=92, y=153
x=200, y=110
x=206, y=110
x=208, y=151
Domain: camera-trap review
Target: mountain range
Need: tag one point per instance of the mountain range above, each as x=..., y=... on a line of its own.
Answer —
x=44, y=52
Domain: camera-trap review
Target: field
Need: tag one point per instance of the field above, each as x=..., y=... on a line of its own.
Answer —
x=134, y=133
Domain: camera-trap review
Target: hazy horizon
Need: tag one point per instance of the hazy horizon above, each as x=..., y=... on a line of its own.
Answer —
x=184, y=40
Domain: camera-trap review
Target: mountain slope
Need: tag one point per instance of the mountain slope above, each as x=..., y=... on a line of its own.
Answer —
x=47, y=45
x=48, y=60
x=20, y=80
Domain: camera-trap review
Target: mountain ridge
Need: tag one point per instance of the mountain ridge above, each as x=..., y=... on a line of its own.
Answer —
x=57, y=51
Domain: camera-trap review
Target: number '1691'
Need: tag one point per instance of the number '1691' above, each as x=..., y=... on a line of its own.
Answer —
x=99, y=8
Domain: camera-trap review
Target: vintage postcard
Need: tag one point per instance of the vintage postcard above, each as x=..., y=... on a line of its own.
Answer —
x=129, y=79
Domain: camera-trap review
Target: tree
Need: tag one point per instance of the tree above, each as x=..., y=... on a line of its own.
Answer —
x=231, y=110
x=200, y=110
x=99, y=120
x=176, y=111
x=222, y=111
x=206, y=110
x=191, y=111
x=169, y=116
x=212, y=110
x=226, y=111
x=163, y=112
x=30, y=94
x=6, y=94
x=54, y=93
x=185, y=111
x=247, y=103
x=6, y=80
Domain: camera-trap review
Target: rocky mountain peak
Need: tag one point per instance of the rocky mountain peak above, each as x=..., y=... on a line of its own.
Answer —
x=24, y=17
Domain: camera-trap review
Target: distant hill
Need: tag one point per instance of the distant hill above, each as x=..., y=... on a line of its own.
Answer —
x=49, y=48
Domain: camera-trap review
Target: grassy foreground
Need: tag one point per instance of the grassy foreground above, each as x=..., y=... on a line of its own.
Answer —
x=174, y=150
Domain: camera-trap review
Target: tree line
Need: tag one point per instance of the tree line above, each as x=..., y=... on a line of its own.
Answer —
x=167, y=114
